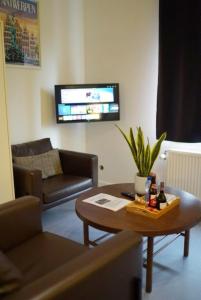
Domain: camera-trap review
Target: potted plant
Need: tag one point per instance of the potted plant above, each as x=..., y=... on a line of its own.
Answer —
x=143, y=154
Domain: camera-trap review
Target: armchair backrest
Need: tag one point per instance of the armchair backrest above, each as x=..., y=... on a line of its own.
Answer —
x=32, y=148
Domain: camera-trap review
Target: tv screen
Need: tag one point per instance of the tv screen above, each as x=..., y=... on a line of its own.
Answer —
x=87, y=102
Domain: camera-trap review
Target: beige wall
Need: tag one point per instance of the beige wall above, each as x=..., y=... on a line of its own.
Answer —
x=6, y=174
x=31, y=90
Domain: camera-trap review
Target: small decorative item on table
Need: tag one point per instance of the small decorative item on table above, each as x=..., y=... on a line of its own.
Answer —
x=139, y=206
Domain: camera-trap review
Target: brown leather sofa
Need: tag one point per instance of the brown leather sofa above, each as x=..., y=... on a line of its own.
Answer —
x=55, y=268
x=80, y=172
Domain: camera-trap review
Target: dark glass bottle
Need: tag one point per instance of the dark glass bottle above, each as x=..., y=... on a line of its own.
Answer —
x=161, y=198
x=153, y=193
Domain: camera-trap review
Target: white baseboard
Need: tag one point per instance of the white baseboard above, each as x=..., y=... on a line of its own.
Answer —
x=101, y=183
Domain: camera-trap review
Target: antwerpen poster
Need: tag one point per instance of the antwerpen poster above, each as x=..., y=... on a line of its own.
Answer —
x=21, y=31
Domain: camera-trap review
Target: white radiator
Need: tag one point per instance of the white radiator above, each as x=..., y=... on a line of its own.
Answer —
x=184, y=171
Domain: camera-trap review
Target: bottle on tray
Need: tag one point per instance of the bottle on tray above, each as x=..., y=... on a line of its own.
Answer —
x=147, y=188
x=153, y=193
x=161, y=198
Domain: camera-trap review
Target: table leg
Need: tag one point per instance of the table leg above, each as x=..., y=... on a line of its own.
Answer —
x=150, y=243
x=86, y=233
x=186, y=242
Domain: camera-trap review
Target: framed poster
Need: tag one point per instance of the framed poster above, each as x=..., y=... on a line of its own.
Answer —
x=21, y=31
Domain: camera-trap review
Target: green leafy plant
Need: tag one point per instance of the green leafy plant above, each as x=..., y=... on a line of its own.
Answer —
x=144, y=156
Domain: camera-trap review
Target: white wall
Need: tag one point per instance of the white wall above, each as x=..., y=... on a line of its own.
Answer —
x=31, y=109
x=121, y=46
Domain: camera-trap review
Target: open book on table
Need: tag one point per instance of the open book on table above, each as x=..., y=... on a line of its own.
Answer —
x=107, y=201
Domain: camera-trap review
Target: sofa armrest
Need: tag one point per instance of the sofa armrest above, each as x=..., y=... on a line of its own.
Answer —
x=80, y=164
x=27, y=181
x=112, y=270
x=20, y=219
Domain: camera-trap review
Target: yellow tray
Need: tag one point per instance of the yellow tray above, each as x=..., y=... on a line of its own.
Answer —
x=141, y=209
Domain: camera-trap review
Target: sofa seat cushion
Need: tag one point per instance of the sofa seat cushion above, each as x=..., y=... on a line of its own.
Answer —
x=62, y=186
x=40, y=255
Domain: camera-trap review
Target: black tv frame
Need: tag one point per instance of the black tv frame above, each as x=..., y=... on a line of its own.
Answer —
x=110, y=116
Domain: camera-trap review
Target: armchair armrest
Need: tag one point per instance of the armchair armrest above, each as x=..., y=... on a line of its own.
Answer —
x=26, y=213
x=80, y=164
x=27, y=181
x=112, y=270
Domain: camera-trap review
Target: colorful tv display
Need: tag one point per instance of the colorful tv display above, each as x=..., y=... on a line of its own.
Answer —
x=87, y=102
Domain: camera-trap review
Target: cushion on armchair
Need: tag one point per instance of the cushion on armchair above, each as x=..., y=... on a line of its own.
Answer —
x=48, y=162
x=10, y=276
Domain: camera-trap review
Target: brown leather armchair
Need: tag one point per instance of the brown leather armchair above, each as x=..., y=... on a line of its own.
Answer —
x=44, y=266
x=80, y=172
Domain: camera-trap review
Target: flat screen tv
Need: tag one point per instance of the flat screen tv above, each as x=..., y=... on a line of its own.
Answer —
x=87, y=102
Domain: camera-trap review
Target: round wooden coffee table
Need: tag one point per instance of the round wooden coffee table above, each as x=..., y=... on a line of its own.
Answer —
x=177, y=221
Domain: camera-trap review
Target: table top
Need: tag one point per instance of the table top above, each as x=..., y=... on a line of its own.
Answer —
x=180, y=218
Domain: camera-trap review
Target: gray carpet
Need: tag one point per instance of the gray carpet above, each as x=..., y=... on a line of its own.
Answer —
x=174, y=277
